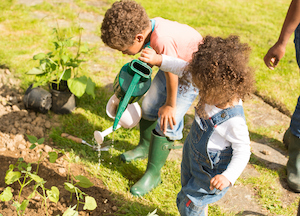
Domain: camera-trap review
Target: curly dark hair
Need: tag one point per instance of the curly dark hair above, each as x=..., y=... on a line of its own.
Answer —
x=219, y=69
x=122, y=22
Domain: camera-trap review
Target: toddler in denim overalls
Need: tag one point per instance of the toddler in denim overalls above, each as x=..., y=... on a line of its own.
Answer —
x=217, y=149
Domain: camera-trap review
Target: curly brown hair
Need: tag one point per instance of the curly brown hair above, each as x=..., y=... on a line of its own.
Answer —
x=122, y=22
x=219, y=69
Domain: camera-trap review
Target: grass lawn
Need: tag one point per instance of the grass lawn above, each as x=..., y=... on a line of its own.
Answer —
x=257, y=22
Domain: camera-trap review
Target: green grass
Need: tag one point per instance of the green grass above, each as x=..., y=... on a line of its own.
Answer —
x=257, y=22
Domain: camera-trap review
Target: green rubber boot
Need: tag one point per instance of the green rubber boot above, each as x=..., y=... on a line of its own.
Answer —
x=142, y=149
x=159, y=150
x=287, y=137
x=293, y=164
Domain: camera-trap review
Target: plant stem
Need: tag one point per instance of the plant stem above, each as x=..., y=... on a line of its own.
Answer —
x=71, y=196
x=22, y=186
x=45, y=199
x=77, y=199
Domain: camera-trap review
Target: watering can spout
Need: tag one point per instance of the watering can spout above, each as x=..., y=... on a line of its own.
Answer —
x=130, y=85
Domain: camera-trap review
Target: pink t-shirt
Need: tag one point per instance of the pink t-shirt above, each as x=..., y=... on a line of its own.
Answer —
x=174, y=39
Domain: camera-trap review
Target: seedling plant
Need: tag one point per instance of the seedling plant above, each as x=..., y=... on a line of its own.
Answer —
x=24, y=174
x=81, y=181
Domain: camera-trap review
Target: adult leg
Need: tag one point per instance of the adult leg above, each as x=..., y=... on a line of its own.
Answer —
x=292, y=136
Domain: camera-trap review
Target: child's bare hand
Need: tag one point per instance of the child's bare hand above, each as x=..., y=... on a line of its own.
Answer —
x=219, y=182
x=149, y=56
x=167, y=116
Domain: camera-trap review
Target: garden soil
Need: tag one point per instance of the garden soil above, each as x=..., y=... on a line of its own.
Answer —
x=16, y=121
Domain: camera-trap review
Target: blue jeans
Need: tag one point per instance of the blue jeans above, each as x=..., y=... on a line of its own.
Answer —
x=156, y=98
x=295, y=120
x=199, y=165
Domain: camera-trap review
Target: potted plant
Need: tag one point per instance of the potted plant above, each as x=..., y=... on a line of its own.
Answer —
x=59, y=70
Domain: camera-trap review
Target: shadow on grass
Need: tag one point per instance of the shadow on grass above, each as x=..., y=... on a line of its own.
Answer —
x=250, y=213
x=276, y=145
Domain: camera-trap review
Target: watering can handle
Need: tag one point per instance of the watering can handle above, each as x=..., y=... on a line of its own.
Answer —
x=124, y=101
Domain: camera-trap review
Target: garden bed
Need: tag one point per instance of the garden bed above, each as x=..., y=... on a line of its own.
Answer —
x=16, y=122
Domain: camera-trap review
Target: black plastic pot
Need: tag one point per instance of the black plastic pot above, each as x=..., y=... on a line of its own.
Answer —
x=63, y=101
x=37, y=99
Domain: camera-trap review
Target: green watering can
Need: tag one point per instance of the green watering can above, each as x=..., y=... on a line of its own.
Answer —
x=132, y=82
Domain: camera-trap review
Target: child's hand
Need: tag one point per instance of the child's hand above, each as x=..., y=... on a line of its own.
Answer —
x=149, y=56
x=219, y=182
x=167, y=115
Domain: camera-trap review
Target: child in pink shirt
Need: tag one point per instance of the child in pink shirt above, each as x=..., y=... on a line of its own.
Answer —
x=127, y=28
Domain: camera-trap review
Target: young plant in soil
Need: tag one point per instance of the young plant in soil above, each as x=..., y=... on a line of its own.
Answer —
x=71, y=186
x=24, y=174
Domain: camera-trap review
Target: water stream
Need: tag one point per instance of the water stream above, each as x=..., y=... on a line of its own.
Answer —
x=103, y=144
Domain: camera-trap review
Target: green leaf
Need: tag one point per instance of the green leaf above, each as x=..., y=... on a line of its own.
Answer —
x=43, y=66
x=83, y=181
x=69, y=187
x=35, y=71
x=6, y=195
x=69, y=42
x=70, y=211
x=22, y=166
x=90, y=88
x=90, y=203
x=67, y=74
x=11, y=167
x=77, y=85
x=56, y=45
x=32, y=139
x=24, y=205
x=36, y=178
x=84, y=49
x=39, y=56
x=52, y=157
x=53, y=194
x=11, y=177
x=64, y=58
x=32, y=146
x=81, y=196
x=41, y=141
x=73, y=65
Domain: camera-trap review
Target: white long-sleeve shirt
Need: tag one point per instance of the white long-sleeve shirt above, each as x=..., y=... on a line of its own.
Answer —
x=233, y=132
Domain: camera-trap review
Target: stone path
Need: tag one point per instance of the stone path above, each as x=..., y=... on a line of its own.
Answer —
x=241, y=199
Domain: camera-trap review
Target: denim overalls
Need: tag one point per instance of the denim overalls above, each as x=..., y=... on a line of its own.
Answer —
x=198, y=166
x=295, y=120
